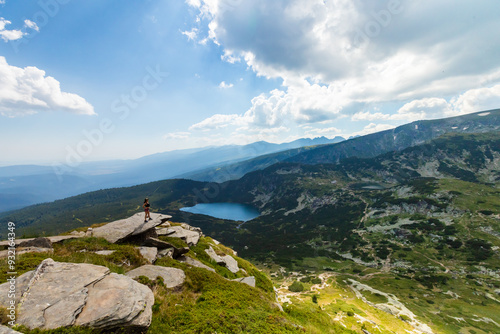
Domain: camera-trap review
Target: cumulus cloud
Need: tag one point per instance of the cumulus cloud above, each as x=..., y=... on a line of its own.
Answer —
x=28, y=90
x=32, y=25
x=477, y=100
x=336, y=56
x=191, y=35
x=9, y=35
x=224, y=85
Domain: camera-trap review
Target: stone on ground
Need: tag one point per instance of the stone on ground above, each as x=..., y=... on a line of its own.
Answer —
x=149, y=253
x=172, y=277
x=250, y=280
x=195, y=263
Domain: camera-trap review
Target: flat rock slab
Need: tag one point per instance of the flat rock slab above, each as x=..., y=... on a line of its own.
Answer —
x=65, y=294
x=149, y=253
x=189, y=236
x=135, y=225
x=172, y=277
x=195, y=263
x=250, y=280
x=55, y=239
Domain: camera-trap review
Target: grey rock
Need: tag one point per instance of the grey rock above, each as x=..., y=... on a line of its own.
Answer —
x=117, y=301
x=21, y=287
x=8, y=330
x=160, y=244
x=195, y=263
x=210, y=251
x=164, y=231
x=37, y=242
x=66, y=294
x=149, y=253
x=133, y=226
x=227, y=260
x=250, y=280
x=168, y=252
x=191, y=228
x=105, y=252
x=172, y=277
x=231, y=263
x=190, y=237
x=63, y=285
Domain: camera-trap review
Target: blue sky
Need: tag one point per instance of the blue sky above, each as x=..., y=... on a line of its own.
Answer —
x=123, y=79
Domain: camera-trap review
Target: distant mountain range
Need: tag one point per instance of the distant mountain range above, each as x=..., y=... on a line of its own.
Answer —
x=24, y=185
x=364, y=147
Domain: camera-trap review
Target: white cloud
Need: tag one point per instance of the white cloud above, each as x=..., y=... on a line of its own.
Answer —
x=9, y=35
x=28, y=90
x=191, y=35
x=224, y=85
x=337, y=56
x=177, y=135
x=32, y=25
x=217, y=121
x=477, y=100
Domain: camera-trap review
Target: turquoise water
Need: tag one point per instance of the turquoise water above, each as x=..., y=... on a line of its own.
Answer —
x=231, y=211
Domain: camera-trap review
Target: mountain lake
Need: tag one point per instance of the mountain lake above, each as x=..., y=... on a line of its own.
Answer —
x=231, y=211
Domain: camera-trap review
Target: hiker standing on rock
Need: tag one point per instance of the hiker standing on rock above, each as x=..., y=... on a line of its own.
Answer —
x=146, y=210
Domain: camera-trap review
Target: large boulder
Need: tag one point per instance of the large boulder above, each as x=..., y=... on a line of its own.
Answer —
x=66, y=294
x=121, y=230
x=172, y=277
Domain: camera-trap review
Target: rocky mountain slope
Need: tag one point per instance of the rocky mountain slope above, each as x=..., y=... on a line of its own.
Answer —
x=368, y=146
x=154, y=277
x=411, y=234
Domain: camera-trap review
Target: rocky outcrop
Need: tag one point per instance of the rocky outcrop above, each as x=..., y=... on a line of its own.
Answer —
x=191, y=237
x=160, y=244
x=227, y=260
x=172, y=277
x=134, y=226
x=66, y=294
